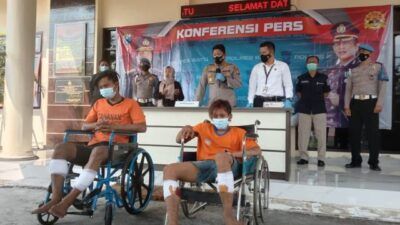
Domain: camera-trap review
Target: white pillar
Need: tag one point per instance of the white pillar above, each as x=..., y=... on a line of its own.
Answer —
x=18, y=96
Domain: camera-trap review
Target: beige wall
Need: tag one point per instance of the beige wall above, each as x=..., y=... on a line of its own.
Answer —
x=3, y=8
x=129, y=12
x=42, y=24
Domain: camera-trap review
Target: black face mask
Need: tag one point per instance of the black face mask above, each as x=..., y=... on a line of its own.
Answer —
x=362, y=57
x=218, y=59
x=265, y=58
x=145, y=68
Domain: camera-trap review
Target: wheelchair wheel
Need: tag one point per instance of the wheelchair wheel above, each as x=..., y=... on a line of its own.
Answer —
x=189, y=210
x=137, y=181
x=46, y=218
x=108, y=217
x=260, y=191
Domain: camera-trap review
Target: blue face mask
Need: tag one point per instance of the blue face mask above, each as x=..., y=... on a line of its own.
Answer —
x=108, y=93
x=103, y=68
x=312, y=66
x=221, y=124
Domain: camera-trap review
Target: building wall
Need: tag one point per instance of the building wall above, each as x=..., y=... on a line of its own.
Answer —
x=3, y=8
x=111, y=13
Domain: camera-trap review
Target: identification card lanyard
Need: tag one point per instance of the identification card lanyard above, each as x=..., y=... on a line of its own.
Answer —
x=266, y=77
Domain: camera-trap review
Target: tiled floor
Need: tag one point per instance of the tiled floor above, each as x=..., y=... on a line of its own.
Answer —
x=336, y=175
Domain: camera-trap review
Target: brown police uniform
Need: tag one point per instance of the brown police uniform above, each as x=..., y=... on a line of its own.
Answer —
x=218, y=89
x=144, y=88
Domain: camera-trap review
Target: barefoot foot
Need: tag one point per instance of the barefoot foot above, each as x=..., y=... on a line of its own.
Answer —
x=46, y=207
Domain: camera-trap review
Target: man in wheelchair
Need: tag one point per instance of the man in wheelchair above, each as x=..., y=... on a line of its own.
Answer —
x=113, y=112
x=219, y=152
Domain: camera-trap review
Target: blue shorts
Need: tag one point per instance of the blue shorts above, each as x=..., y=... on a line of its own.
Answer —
x=208, y=169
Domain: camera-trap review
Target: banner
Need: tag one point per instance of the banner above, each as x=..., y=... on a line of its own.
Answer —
x=187, y=46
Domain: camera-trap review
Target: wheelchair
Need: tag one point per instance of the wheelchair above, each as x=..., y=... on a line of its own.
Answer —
x=254, y=181
x=128, y=166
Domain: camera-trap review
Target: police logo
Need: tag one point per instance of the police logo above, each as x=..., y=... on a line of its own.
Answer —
x=374, y=20
x=341, y=29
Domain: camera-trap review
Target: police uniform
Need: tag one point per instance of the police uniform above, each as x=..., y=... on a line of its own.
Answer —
x=365, y=88
x=219, y=89
x=144, y=88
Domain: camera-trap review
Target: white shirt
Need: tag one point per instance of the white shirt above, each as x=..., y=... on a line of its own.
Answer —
x=279, y=81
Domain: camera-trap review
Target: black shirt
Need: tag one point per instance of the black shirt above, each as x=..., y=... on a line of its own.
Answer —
x=312, y=89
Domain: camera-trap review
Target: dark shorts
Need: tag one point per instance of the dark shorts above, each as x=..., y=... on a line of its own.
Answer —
x=83, y=153
x=208, y=169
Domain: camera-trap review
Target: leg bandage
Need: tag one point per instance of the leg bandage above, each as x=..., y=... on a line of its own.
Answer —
x=170, y=187
x=59, y=167
x=85, y=179
x=225, y=182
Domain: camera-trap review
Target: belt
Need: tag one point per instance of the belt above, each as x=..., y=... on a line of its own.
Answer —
x=364, y=97
x=144, y=100
x=272, y=98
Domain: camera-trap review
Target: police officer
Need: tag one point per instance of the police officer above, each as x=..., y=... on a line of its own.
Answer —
x=270, y=80
x=312, y=88
x=345, y=47
x=221, y=77
x=365, y=94
x=144, y=84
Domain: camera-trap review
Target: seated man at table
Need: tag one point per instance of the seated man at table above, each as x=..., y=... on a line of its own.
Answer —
x=219, y=159
x=113, y=112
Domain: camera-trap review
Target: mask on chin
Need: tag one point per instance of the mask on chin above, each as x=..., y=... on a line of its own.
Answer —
x=221, y=124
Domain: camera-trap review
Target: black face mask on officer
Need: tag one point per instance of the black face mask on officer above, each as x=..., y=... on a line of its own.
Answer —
x=218, y=59
x=363, y=56
x=144, y=68
x=265, y=58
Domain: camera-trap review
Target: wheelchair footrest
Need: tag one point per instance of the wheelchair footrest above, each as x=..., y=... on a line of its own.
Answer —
x=85, y=213
x=210, y=197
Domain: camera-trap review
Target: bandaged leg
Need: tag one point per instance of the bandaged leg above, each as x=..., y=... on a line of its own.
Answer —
x=58, y=167
x=170, y=187
x=225, y=182
x=85, y=179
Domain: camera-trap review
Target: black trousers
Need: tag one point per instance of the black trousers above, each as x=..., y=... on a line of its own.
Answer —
x=362, y=113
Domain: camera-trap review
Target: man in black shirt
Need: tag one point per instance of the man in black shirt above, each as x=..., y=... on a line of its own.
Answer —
x=312, y=88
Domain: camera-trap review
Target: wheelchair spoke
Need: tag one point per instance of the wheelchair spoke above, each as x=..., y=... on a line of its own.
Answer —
x=48, y=217
x=145, y=186
x=145, y=172
x=140, y=195
x=141, y=165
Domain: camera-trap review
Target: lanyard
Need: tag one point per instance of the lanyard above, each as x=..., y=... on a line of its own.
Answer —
x=267, y=73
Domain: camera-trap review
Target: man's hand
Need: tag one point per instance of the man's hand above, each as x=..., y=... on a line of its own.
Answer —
x=187, y=132
x=176, y=92
x=334, y=98
x=347, y=111
x=378, y=108
x=104, y=126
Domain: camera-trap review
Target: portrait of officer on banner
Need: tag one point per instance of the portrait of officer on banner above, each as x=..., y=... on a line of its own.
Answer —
x=345, y=46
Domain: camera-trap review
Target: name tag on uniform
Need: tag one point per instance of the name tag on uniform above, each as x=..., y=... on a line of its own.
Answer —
x=265, y=89
x=273, y=105
x=211, y=78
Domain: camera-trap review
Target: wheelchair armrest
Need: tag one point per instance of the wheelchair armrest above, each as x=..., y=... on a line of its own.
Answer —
x=252, y=136
x=71, y=131
x=131, y=135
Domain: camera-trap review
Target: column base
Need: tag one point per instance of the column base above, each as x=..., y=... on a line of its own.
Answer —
x=9, y=157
